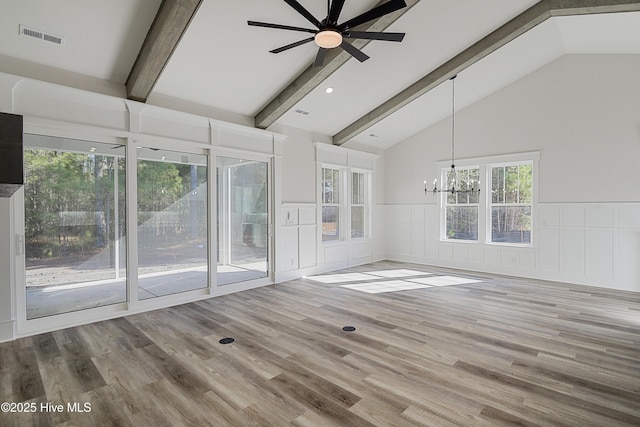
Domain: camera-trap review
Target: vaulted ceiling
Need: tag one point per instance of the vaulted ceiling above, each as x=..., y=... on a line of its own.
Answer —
x=200, y=56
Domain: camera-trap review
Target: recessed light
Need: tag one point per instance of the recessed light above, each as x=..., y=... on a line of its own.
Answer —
x=92, y=149
x=328, y=90
x=304, y=113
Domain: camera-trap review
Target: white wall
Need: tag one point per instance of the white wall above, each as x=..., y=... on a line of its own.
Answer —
x=298, y=166
x=7, y=316
x=582, y=113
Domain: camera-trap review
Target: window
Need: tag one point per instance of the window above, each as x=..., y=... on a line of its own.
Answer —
x=461, y=209
x=502, y=212
x=330, y=204
x=511, y=203
x=359, y=204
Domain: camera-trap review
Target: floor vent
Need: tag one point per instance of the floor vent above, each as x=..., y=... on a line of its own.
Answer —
x=41, y=35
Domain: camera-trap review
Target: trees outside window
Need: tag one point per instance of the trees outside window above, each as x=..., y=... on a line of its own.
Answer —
x=511, y=203
x=502, y=212
x=461, y=209
x=331, y=200
x=359, y=204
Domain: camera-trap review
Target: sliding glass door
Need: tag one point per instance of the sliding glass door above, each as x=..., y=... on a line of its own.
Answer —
x=75, y=233
x=74, y=225
x=242, y=227
x=172, y=222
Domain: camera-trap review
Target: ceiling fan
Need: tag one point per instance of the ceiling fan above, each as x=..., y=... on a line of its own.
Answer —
x=329, y=34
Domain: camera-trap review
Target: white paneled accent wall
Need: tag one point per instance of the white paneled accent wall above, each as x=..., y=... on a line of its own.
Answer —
x=581, y=114
x=587, y=243
x=296, y=241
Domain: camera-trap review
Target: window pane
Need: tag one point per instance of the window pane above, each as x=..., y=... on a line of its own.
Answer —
x=474, y=179
x=172, y=222
x=330, y=223
x=497, y=185
x=512, y=184
x=330, y=186
x=451, y=197
x=358, y=221
x=525, y=176
x=511, y=224
x=74, y=200
x=462, y=222
x=358, y=189
x=336, y=186
x=462, y=184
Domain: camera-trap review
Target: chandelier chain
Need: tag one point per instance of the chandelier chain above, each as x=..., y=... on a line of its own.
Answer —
x=449, y=185
x=453, y=119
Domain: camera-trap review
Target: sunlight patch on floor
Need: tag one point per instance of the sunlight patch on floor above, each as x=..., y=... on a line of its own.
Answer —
x=341, y=278
x=388, y=286
x=398, y=273
x=444, y=280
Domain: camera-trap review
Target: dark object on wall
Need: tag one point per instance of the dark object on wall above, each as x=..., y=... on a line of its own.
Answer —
x=11, y=154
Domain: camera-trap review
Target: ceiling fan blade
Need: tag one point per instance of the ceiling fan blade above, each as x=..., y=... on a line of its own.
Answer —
x=304, y=12
x=354, y=51
x=376, y=12
x=320, y=57
x=369, y=35
x=334, y=12
x=292, y=45
x=280, y=27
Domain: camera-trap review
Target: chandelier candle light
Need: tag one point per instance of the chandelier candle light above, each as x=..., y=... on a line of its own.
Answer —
x=450, y=186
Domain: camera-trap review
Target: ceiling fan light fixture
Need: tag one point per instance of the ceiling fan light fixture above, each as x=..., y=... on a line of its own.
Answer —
x=328, y=39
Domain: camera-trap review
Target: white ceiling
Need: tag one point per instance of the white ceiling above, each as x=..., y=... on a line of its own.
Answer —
x=223, y=65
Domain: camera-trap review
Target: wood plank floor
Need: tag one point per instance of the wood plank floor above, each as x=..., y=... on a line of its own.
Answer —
x=501, y=351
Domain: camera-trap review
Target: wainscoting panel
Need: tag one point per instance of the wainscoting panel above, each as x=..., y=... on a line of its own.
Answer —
x=600, y=252
x=549, y=253
x=573, y=250
x=626, y=257
x=307, y=242
x=296, y=241
x=335, y=253
x=588, y=243
x=418, y=239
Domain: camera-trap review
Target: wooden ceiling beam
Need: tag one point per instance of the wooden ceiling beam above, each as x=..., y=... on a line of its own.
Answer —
x=528, y=19
x=169, y=25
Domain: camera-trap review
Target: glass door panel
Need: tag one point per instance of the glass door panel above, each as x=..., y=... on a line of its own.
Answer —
x=242, y=220
x=172, y=222
x=74, y=225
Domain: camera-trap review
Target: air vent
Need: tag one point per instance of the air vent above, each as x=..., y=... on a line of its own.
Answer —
x=41, y=35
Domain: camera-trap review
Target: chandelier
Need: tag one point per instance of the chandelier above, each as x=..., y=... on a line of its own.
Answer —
x=451, y=186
